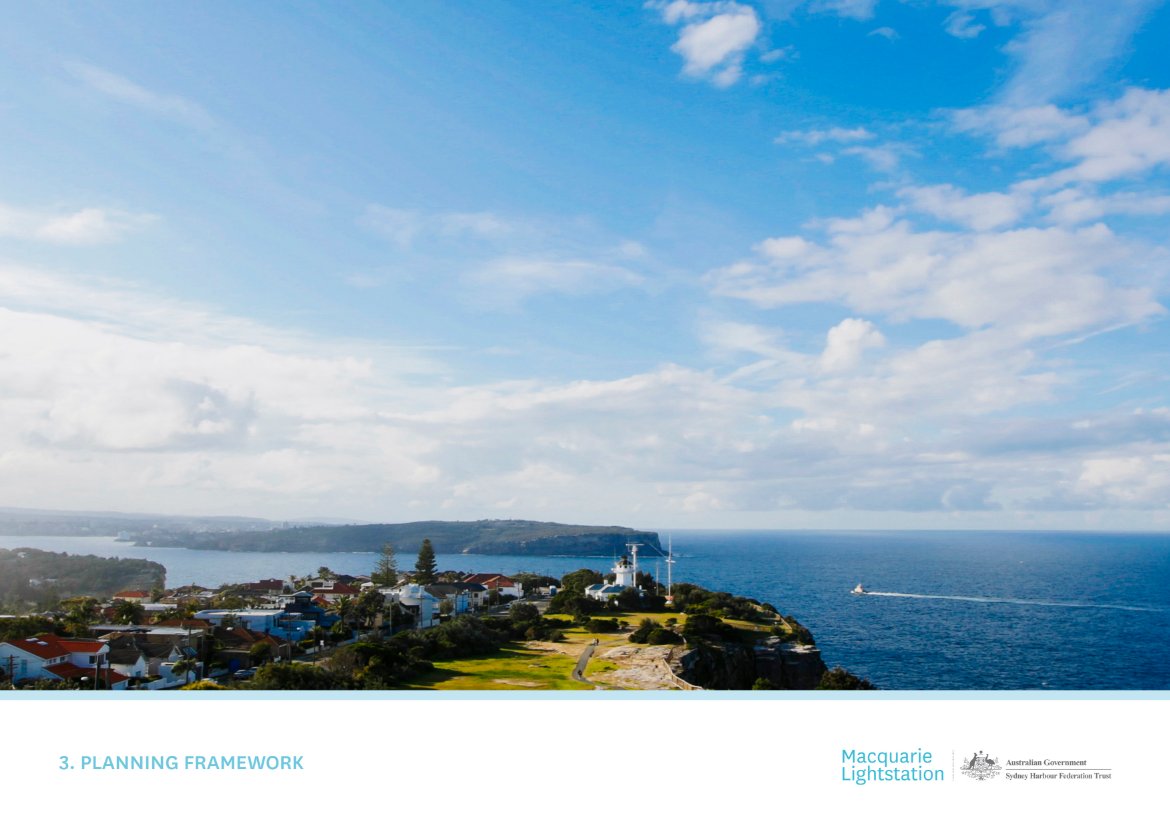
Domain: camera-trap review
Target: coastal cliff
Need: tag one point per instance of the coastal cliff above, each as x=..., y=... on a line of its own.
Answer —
x=729, y=665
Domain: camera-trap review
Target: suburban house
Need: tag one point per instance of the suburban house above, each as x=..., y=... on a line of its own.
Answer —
x=50, y=657
x=274, y=622
x=463, y=597
x=336, y=590
x=137, y=596
x=149, y=658
x=417, y=601
x=502, y=584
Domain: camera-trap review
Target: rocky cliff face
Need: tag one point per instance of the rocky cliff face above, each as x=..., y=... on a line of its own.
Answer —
x=732, y=666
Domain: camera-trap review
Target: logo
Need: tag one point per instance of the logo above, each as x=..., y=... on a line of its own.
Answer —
x=980, y=766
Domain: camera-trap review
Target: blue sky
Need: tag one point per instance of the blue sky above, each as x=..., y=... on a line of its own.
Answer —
x=828, y=264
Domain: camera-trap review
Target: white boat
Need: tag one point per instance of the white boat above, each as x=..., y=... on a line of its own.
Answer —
x=857, y=590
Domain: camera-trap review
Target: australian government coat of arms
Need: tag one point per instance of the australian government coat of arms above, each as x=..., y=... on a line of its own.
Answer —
x=980, y=766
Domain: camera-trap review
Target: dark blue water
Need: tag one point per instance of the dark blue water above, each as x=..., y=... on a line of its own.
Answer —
x=947, y=610
x=963, y=610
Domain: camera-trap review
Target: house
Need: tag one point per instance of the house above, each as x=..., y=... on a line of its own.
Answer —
x=502, y=584
x=148, y=657
x=235, y=647
x=136, y=596
x=415, y=600
x=274, y=622
x=50, y=657
x=458, y=594
x=336, y=590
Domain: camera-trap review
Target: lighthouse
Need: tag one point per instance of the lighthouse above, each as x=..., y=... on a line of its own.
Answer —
x=625, y=571
x=625, y=576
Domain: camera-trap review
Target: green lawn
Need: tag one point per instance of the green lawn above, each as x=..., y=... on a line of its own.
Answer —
x=512, y=668
x=515, y=667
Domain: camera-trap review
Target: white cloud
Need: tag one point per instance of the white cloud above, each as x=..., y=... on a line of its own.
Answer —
x=506, y=281
x=853, y=9
x=404, y=227
x=777, y=55
x=837, y=135
x=1131, y=136
x=157, y=405
x=883, y=158
x=962, y=25
x=981, y=211
x=1069, y=44
x=1114, y=140
x=1020, y=126
x=885, y=32
x=88, y=225
x=1031, y=282
x=121, y=89
x=714, y=39
x=1078, y=205
x=847, y=341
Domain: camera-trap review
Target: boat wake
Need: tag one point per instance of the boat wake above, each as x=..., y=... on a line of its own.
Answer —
x=1034, y=602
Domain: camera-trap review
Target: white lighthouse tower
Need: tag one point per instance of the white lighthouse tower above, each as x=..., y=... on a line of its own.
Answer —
x=625, y=571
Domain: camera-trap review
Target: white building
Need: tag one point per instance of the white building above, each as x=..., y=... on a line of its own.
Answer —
x=415, y=599
x=625, y=576
x=51, y=657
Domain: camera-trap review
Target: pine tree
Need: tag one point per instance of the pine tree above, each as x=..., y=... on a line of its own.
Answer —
x=386, y=570
x=425, y=569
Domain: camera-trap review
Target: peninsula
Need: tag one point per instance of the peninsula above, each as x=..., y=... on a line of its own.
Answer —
x=480, y=537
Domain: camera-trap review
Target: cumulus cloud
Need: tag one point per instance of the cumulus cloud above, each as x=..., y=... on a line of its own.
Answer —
x=981, y=211
x=847, y=341
x=714, y=37
x=1079, y=204
x=1031, y=281
x=1130, y=136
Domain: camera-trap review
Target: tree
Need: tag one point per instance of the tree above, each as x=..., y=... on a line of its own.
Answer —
x=386, y=569
x=368, y=606
x=260, y=652
x=345, y=607
x=128, y=612
x=185, y=666
x=425, y=569
x=293, y=676
x=524, y=612
x=80, y=614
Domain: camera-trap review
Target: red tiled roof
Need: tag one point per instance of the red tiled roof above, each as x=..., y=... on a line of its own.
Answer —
x=494, y=579
x=74, y=645
x=132, y=593
x=72, y=671
x=41, y=647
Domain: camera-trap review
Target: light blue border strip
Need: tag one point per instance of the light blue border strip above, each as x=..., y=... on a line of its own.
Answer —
x=577, y=695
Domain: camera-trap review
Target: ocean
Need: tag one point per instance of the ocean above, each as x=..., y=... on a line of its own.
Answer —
x=944, y=610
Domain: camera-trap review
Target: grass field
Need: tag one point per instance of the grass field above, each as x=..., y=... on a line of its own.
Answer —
x=516, y=667
x=512, y=668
